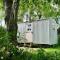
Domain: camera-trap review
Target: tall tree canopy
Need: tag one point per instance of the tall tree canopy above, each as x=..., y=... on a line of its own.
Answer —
x=46, y=8
x=1, y=10
x=41, y=7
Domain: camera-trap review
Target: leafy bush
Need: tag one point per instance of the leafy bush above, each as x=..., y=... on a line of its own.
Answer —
x=41, y=54
x=9, y=51
x=2, y=31
x=53, y=55
x=58, y=39
x=4, y=38
x=14, y=53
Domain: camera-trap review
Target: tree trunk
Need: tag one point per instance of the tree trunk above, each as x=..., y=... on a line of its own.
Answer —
x=11, y=13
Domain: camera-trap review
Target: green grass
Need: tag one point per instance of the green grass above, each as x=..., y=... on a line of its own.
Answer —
x=8, y=51
x=51, y=49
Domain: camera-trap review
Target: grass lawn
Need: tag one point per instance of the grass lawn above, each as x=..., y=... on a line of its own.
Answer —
x=36, y=49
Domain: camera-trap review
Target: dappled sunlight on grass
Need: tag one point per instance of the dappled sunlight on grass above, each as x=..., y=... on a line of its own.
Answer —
x=51, y=49
x=34, y=50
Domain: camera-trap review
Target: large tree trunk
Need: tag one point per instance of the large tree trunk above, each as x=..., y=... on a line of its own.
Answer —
x=11, y=12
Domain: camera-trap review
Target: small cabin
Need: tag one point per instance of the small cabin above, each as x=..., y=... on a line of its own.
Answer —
x=38, y=32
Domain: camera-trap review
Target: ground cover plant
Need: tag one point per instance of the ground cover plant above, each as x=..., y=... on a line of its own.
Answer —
x=9, y=51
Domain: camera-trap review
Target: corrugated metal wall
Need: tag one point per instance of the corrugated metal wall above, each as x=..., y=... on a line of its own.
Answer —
x=52, y=32
x=39, y=32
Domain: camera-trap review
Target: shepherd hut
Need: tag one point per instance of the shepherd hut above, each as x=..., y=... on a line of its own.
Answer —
x=38, y=32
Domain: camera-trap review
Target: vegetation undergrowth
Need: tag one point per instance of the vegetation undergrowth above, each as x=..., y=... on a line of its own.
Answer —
x=9, y=51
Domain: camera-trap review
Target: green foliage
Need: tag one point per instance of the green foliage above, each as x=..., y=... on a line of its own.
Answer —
x=41, y=7
x=57, y=2
x=41, y=55
x=16, y=54
x=9, y=51
x=1, y=4
x=2, y=14
x=53, y=55
x=4, y=38
x=2, y=31
x=59, y=40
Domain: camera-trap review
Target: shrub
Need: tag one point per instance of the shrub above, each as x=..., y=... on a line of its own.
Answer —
x=9, y=51
x=4, y=38
x=53, y=55
x=58, y=39
x=41, y=54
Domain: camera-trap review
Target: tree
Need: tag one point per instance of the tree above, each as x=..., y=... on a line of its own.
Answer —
x=1, y=10
x=41, y=7
x=11, y=13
